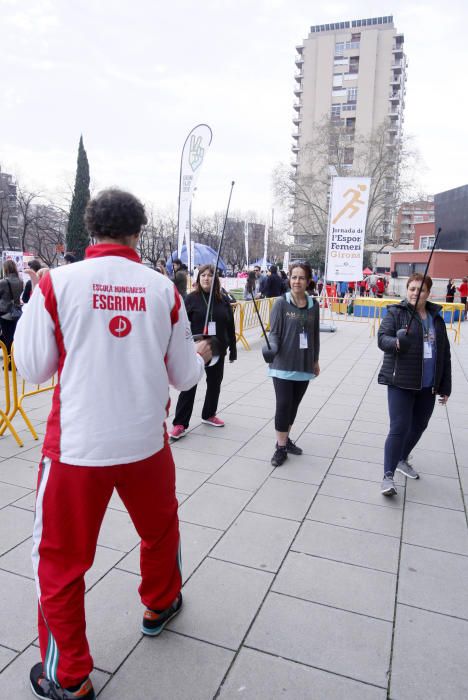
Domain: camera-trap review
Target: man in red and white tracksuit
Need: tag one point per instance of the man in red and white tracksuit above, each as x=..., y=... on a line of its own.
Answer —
x=117, y=334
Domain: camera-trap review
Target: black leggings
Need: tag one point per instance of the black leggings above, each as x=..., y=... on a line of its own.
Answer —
x=184, y=408
x=289, y=395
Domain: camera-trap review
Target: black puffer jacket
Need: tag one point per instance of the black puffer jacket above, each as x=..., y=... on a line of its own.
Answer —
x=405, y=370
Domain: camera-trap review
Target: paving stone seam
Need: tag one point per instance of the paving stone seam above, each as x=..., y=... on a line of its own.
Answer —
x=434, y=612
x=435, y=549
x=354, y=529
x=318, y=668
x=12, y=503
x=236, y=563
x=464, y=501
x=340, y=498
x=366, y=503
x=18, y=543
x=280, y=517
x=111, y=674
x=400, y=549
x=333, y=607
x=341, y=561
x=433, y=505
x=18, y=654
x=16, y=573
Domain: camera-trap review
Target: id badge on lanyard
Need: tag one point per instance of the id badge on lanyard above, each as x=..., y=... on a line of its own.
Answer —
x=427, y=350
x=212, y=328
x=303, y=344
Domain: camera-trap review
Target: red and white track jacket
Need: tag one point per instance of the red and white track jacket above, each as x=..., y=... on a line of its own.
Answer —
x=118, y=335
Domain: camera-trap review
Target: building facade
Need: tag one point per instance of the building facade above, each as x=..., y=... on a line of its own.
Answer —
x=408, y=216
x=350, y=77
x=9, y=232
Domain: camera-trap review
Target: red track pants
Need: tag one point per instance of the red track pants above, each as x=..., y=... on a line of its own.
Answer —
x=70, y=506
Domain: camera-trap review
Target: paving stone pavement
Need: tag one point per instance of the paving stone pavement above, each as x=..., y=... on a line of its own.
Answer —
x=300, y=582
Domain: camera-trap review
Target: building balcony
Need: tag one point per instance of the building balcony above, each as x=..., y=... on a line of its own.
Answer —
x=299, y=61
x=296, y=134
x=348, y=107
x=295, y=148
x=397, y=66
x=297, y=118
x=294, y=164
x=298, y=76
x=297, y=105
x=298, y=90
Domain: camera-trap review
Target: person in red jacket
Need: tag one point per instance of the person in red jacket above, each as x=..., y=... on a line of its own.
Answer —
x=463, y=289
x=117, y=334
x=380, y=287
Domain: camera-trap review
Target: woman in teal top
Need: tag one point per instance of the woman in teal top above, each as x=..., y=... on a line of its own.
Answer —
x=295, y=342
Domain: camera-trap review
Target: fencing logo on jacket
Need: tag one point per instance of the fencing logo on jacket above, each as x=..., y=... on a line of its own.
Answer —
x=120, y=326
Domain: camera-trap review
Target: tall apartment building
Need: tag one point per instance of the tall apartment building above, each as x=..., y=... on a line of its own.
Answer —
x=351, y=75
x=9, y=234
x=409, y=214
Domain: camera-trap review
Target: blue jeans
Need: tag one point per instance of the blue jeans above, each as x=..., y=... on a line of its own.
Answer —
x=410, y=412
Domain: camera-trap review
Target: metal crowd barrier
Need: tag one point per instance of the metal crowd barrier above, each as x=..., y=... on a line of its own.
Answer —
x=14, y=399
x=345, y=309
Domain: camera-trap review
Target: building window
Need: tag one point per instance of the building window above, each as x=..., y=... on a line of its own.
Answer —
x=348, y=156
x=339, y=48
x=336, y=110
x=407, y=269
x=338, y=80
x=354, y=64
x=426, y=242
x=352, y=94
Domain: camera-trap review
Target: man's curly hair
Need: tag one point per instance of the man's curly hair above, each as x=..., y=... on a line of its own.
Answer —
x=114, y=214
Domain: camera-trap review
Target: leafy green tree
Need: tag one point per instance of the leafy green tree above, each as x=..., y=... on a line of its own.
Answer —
x=77, y=235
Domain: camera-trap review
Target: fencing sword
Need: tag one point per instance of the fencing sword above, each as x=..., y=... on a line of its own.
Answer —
x=204, y=336
x=403, y=332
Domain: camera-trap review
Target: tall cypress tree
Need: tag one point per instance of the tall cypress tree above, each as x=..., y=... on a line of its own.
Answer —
x=77, y=236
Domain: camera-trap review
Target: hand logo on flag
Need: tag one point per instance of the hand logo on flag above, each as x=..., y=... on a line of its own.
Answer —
x=196, y=152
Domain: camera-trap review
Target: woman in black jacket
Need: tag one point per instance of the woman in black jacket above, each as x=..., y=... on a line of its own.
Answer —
x=450, y=293
x=415, y=368
x=220, y=324
x=11, y=287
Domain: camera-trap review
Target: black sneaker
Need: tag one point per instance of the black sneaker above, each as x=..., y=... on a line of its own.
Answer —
x=154, y=621
x=292, y=448
x=280, y=456
x=43, y=688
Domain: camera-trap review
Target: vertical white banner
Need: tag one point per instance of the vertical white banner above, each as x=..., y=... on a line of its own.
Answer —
x=193, y=154
x=346, y=228
x=191, y=264
x=286, y=262
x=265, y=247
x=246, y=240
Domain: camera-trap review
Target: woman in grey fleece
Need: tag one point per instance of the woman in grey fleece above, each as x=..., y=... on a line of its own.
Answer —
x=294, y=357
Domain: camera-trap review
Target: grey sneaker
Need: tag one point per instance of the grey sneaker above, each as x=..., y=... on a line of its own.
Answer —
x=404, y=467
x=388, y=487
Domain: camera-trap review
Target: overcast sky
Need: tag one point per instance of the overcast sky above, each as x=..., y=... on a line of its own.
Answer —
x=135, y=77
